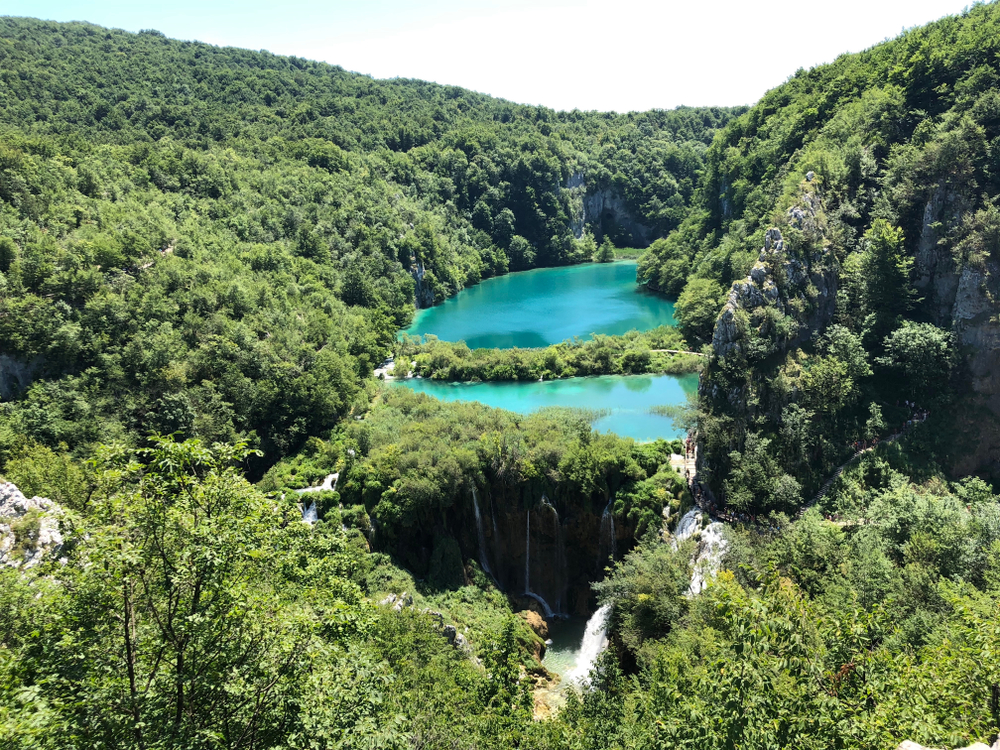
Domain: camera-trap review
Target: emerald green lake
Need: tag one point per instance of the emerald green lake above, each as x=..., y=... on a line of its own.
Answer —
x=546, y=306
x=626, y=398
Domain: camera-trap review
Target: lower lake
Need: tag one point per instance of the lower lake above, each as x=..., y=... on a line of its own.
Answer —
x=624, y=399
x=547, y=306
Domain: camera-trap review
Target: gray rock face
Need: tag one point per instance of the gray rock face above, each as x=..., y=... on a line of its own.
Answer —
x=602, y=207
x=799, y=288
x=29, y=528
x=423, y=296
x=775, y=280
x=16, y=375
x=966, y=299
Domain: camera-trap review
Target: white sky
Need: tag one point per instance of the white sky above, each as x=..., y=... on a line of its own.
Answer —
x=609, y=55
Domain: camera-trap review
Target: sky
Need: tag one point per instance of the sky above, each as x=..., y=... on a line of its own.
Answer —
x=616, y=55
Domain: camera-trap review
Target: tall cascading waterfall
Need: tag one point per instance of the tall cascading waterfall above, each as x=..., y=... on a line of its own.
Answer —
x=595, y=639
x=527, y=570
x=527, y=554
x=483, y=561
x=607, y=541
x=561, y=579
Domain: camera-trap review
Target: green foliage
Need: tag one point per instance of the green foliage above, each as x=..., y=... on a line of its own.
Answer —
x=631, y=354
x=606, y=252
x=887, y=291
x=222, y=243
x=697, y=308
x=922, y=356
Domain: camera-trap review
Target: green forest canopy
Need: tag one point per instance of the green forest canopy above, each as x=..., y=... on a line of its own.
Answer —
x=223, y=242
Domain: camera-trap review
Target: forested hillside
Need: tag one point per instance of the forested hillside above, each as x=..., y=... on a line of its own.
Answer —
x=223, y=242
x=879, y=290
x=205, y=252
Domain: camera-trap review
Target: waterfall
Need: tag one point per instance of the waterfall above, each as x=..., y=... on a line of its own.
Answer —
x=706, y=562
x=608, y=542
x=482, y=537
x=687, y=525
x=545, y=605
x=309, y=514
x=595, y=639
x=560, y=577
x=527, y=554
x=561, y=580
x=497, y=550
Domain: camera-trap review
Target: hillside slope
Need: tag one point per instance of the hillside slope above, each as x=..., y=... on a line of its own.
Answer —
x=223, y=242
x=879, y=172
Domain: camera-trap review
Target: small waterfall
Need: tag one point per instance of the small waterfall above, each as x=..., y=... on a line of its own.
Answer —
x=497, y=549
x=309, y=513
x=482, y=537
x=712, y=547
x=560, y=579
x=545, y=605
x=687, y=525
x=595, y=640
x=608, y=542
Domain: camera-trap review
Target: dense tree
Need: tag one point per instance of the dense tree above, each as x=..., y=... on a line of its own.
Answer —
x=697, y=308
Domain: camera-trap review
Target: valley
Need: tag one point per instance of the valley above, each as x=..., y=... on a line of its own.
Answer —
x=339, y=412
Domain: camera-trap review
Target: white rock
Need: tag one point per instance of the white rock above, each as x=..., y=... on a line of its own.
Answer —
x=46, y=541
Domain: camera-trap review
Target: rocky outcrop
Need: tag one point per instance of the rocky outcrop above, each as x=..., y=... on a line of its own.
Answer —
x=29, y=528
x=788, y=296
x=605, y=210
x=423, y=295
x=536, y=623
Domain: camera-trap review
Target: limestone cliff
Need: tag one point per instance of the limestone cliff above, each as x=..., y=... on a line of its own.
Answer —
x=552, y=550
x=788, y=297
x=961, y=291
x=15, y=375
x=606, y=211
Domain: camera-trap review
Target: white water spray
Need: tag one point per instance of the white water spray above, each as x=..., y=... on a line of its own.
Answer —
x=309, y=513
x=712, y=546
x=687, y=525
x=595, y=640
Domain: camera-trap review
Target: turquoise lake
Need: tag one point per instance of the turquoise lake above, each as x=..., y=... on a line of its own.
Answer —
x=627, y=398
x=546, y=306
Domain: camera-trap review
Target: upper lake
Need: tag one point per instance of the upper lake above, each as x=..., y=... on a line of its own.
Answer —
x=546, y=306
